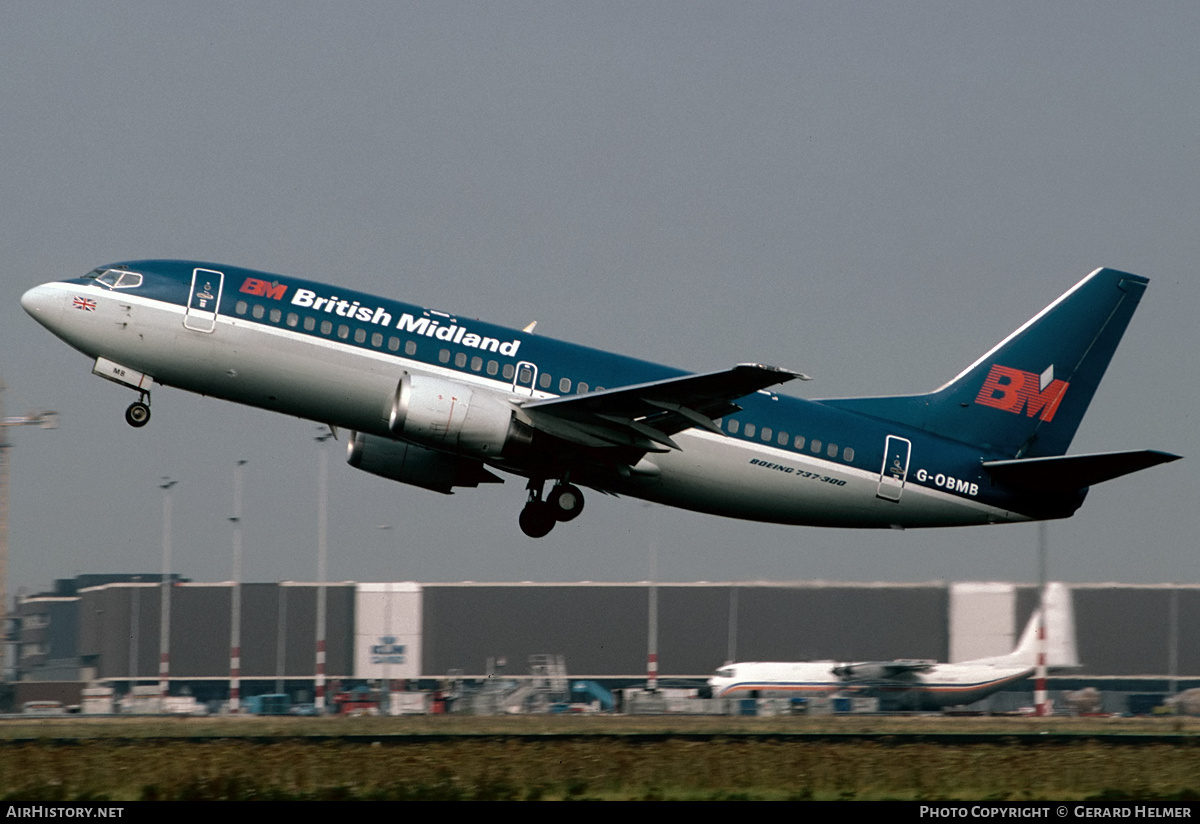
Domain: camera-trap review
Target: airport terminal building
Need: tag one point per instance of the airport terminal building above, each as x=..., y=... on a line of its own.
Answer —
x=108, y=630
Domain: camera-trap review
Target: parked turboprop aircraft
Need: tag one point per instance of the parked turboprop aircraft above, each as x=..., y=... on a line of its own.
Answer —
x=912, y=684
x=436, y=401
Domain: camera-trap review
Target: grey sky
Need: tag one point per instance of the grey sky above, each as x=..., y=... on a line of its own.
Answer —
x=873, y=193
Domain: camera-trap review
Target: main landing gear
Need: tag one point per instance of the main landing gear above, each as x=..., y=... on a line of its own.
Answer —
x=138, y=413
x=563, y=503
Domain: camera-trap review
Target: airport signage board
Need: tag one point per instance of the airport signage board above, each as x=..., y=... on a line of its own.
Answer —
x=387, y=642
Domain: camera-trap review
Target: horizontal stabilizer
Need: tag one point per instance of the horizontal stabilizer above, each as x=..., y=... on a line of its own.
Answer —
x=1066, y=473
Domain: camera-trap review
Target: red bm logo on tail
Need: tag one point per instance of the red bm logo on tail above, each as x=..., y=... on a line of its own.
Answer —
x=1014, y=390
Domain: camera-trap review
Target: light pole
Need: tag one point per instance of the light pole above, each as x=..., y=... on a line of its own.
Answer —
x=1041, y=698
x=652, y=640
x=322, y=562
x=235, y=618
x=164, y=634
x=385, y=702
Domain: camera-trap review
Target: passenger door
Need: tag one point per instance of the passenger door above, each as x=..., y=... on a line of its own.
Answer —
x=203, y=299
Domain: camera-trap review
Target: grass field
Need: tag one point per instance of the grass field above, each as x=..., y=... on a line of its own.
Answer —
x=582, y=757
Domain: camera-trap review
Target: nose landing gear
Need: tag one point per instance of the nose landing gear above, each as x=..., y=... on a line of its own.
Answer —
x=138, y=413
x=564, y=503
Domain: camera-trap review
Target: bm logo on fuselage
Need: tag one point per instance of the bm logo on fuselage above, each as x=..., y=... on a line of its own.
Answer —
x=1017, y=391
x=264, y=289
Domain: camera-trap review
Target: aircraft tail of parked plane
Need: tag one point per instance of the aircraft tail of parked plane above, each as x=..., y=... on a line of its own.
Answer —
x=1061, y=652
x=912, y=684
x=441, y=402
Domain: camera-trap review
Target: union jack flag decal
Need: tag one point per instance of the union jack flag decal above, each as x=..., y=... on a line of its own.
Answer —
x=86, y=304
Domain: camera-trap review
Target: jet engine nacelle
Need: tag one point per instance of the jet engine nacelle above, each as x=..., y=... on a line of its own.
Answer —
x=416, y=465
x=449, y=415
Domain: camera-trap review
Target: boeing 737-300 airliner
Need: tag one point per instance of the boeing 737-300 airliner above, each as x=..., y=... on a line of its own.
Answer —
x=438, y=401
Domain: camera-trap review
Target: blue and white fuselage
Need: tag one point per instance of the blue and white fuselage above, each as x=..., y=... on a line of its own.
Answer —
x=438, y=401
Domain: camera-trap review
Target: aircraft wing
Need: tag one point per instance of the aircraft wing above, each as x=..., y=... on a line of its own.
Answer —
x=646, y=415
x=881, y=669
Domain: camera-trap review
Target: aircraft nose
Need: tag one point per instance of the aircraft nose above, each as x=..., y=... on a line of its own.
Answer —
x=42, y=303
x=32, y=300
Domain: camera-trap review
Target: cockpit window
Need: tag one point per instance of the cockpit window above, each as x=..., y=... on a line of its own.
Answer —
x=725, y=672
x=115, y=278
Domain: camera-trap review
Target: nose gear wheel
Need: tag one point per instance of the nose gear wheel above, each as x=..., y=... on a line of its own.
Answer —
x=138, y=413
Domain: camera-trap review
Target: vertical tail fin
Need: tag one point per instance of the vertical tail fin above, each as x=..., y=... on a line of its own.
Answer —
x=1027, y=396
x=1060, y=634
